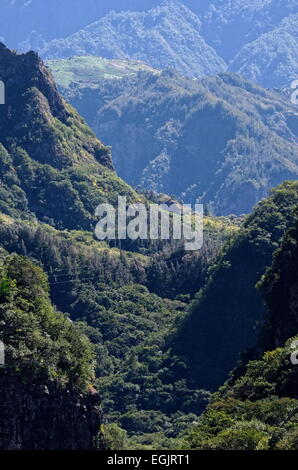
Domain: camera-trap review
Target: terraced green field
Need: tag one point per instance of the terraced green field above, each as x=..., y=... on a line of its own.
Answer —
x=89, y=70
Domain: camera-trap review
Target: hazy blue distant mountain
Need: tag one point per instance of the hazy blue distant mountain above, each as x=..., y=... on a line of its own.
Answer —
x=227, y=25
x=256, y=38
x=19, y=18
x=272, y=59
x=166, y=36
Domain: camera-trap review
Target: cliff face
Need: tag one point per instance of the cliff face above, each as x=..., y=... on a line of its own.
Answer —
x=23, y=71
x=51, y=164
x=36, y=117
x=48, y=417
x=46, y=400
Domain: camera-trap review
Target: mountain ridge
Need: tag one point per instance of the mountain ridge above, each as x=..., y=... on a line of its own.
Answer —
x=159, y=128
x=223, y=34
x=166, y=36
x=49, y=157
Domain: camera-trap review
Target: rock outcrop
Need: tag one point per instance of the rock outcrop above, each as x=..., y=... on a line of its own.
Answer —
x=48, y=417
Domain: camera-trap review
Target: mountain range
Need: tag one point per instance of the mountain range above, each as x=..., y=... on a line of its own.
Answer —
x=161, y=127
x=165, y=37
x=257, y=40
x=272, y=58
x=33, y=16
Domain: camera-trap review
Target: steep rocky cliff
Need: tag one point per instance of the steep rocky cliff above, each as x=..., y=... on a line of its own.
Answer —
x=47, y=401
x=48, y=417
x=51, y=163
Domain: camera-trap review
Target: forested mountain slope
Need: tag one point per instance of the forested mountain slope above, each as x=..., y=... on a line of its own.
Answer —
x=52, y=169
x=272, y=58
x=256, y=39
x=54, y=173
x=233, y=325
x=167, y=36
x=104, y=291
x=228, y=25
x=152, y=363
x=47, y=402
x=257, y=408
x=41, y=20
x=223, y=140
x=52, y=166
x=46, y=20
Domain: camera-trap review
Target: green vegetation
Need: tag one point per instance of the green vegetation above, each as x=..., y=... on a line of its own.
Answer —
x=40, y=344
x=257, y=408
x=60, y=173
x=166, y=36
x=262, y=62
x=127, y=326
x=89, y=71
x=47, y=362
x=279, y=287
x=213, y=351
x=258, y=39
x=149, y=399
x=159, y=126
x=242, y=34
x=51, y=164
x=257, y=411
